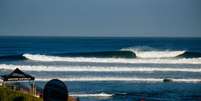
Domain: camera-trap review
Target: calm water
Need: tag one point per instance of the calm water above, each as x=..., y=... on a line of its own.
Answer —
x=110, y=69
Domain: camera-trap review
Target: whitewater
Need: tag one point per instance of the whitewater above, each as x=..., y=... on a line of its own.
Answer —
x=153, y=53
x=97, y=68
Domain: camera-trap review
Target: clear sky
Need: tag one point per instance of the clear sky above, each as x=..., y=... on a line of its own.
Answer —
x=171, y=18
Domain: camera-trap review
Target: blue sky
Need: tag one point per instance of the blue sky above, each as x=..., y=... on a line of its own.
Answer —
x=170, y=18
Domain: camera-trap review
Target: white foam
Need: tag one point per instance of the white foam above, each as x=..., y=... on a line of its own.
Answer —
x=97, y=68
x=128, y=79
x=46, y=58
x=92, y=95
x=158, y=54
x=155, y=53
x=102, y=79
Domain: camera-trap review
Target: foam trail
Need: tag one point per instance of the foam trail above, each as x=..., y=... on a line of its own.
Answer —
x=154, y=54
x=159, y=54
x=92, y=95
x=131, y=79
x=46, y=58
x=96, y=68
x=103, y=79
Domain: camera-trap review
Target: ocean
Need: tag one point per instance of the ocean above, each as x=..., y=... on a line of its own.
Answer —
x=110, y=68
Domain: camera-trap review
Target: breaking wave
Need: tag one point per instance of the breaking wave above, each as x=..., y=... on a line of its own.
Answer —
x=142, y=52
x=122, y=56
x=47, y=58
x=158, y=54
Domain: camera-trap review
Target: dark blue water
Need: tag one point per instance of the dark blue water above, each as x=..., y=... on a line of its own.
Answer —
x=110, y=69
x=13, y=45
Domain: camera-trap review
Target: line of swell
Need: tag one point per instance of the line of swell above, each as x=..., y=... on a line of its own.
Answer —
x=110, y=55
x=129, y=53
x=96, y=68
x=188, y=80
x=47, y=58
x=104, y=54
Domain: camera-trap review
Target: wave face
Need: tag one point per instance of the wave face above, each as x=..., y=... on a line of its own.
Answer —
x=13, y=57
x=190, y=55
x=104, y=54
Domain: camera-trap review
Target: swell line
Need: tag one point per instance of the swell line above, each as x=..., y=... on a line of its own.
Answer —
x=46, y=58
x=96, y=68
x=189, y=80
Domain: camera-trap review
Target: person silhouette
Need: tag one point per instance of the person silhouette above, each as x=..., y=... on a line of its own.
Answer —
x=55, y=90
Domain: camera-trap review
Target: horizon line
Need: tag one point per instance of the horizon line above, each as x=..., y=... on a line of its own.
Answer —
x=100, y=36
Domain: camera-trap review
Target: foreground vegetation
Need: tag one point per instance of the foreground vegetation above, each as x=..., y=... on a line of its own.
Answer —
x=9, y=95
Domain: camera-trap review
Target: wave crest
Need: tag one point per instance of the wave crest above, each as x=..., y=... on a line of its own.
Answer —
x=154, y=53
